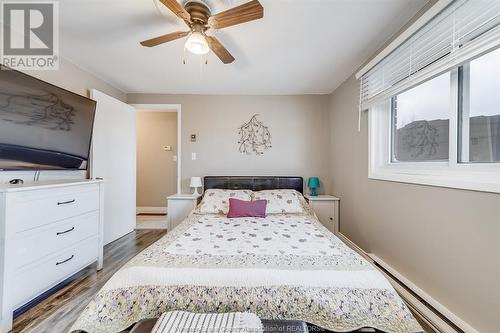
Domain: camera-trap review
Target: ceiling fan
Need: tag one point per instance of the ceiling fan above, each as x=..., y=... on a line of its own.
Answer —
x=199, y=19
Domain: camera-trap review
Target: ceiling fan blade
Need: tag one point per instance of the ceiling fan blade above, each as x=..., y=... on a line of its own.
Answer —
x=249, y=11
x=177, y=9
x=165, y=38
x=219, y=50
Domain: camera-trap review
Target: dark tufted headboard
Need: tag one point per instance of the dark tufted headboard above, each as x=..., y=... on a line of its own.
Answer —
x=254, y=183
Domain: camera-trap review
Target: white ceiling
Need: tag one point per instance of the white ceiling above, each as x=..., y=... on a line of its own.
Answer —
x=300, y=47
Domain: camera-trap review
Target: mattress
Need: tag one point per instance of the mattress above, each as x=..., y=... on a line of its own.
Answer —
x=282, y=267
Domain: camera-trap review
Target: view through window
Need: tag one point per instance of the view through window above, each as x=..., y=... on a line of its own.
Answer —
x=480, y=109
x=420, y=116
x=420, y=122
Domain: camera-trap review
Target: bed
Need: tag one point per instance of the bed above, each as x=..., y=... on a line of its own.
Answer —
x=283, y=266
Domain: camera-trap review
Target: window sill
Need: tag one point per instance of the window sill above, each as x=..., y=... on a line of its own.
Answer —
x=467, y=178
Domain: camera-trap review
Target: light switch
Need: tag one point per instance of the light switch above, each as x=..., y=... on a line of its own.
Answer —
x=193, y=156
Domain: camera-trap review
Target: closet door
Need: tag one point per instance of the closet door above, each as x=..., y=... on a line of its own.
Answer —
x=114, y=160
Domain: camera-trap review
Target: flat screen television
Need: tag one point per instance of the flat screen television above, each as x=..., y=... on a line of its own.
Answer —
x=42, y=127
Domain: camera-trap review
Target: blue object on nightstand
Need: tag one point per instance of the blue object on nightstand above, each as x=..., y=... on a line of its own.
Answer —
x=313, y=185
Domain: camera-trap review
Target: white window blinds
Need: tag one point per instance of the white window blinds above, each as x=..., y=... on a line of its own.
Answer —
x=463, y=30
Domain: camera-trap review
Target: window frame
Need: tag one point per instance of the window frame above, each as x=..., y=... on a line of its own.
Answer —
x=451, y=173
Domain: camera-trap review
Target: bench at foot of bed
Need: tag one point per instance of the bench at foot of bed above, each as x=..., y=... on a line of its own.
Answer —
x=270, y=326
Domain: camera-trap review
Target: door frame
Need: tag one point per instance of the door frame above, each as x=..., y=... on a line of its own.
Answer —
x=168, y=108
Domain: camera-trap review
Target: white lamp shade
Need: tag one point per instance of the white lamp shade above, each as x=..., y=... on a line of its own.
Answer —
x=195, y=182
x=197, y=44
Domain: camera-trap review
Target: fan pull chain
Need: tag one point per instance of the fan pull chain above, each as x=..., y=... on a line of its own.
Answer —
x=184, y=56
x=201, y=67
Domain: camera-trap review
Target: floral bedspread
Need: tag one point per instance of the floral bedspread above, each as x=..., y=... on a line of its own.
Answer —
x=278, y=267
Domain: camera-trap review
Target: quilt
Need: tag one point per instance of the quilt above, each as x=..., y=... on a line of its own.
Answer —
x=284, y=266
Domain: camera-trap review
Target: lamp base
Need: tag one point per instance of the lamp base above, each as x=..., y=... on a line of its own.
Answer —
x=196, y=193
x=313, y=192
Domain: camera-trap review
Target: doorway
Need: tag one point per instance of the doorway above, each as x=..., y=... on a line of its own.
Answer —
x=157, y=162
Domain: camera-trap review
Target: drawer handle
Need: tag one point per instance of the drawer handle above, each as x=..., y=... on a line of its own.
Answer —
x=65, y=231
x=66, y=202
x=62, y=262
x=331, y=218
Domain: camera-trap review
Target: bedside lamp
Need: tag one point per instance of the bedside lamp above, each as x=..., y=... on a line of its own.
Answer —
x=313, y=185
x=196, y=183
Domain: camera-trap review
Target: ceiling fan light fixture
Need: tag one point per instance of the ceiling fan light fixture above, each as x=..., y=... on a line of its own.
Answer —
x=197, y=44
x=198, y=17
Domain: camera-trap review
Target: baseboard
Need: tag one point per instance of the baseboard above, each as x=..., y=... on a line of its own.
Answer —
x=151, y=210
x=431, y=311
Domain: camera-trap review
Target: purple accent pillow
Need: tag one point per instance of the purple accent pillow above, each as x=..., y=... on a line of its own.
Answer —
x=242, y=208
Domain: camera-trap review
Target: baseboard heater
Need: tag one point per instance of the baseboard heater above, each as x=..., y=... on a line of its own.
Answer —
x=428, y=309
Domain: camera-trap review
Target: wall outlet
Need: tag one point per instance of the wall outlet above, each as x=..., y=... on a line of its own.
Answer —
x=193, y=156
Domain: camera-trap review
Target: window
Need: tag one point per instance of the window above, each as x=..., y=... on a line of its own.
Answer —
x=444, y=131
x=420, y=120
x=480, y=109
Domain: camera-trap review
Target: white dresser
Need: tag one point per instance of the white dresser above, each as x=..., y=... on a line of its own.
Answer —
x=48, y=232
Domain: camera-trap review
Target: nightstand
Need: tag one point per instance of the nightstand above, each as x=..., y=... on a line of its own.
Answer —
x=326, y=208
x=178, y=208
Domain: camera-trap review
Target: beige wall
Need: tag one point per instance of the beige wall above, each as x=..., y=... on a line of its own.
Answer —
x=156, y=169
x=298, y=125
x=446, y=241
x=77, y=80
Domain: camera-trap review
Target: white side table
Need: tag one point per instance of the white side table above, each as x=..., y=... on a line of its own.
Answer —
x=178, y=208
x=326, y=208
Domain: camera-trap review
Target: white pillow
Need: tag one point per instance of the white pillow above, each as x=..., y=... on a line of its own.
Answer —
x=280, y=201
x=216, y=201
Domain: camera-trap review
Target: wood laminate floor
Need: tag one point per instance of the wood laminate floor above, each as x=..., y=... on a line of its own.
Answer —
x=57, y=313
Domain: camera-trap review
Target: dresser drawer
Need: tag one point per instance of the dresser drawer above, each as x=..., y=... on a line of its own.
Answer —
x=37, y=208
x=32, y=280
x=35, y=244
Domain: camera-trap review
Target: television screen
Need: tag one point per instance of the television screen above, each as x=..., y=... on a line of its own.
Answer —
x=42, y=127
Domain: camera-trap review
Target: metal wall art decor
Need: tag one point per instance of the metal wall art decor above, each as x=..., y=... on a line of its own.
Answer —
x=255, y=137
